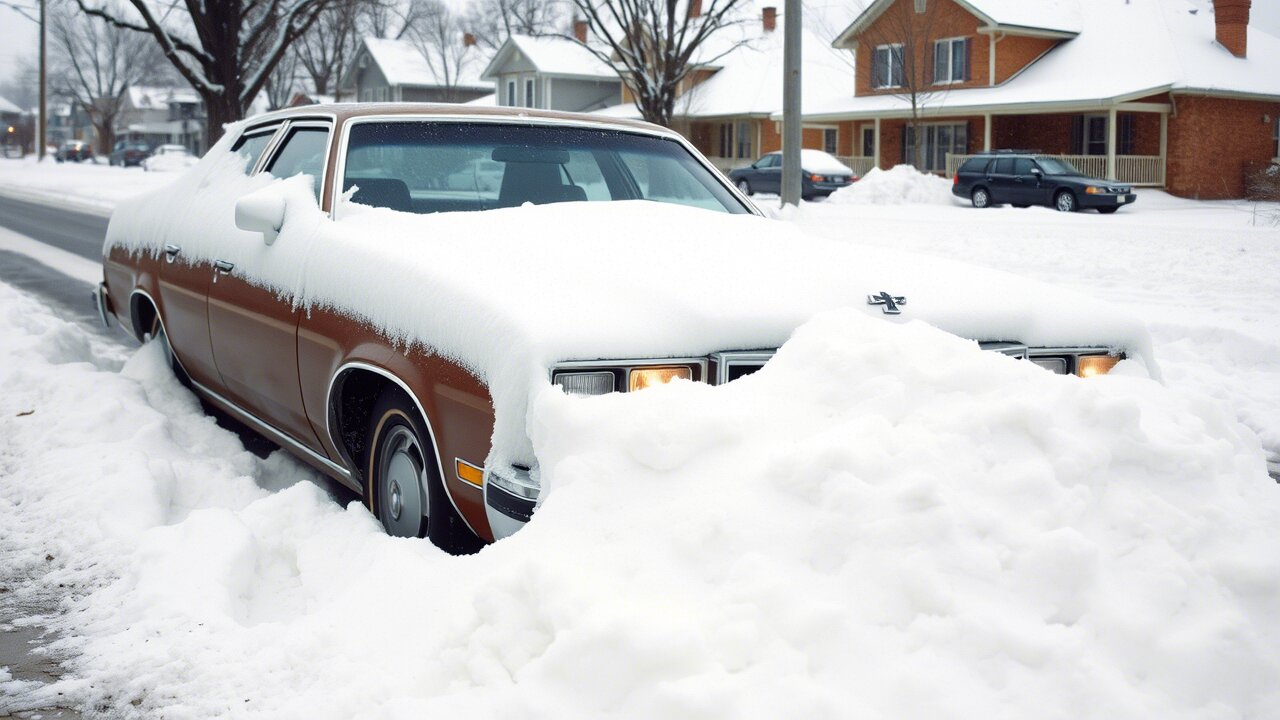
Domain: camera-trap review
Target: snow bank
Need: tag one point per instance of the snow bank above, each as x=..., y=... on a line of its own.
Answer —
x=508, y=293
x=883, y=522
x=902, y=185
x=87, y=187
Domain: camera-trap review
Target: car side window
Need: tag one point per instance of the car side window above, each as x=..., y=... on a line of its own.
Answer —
x=1022, y=166
x=1003, y=166
x=250, y=146
x=768, y=161
x=303, y=152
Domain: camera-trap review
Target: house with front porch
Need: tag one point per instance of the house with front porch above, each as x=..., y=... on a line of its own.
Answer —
x=1179, y=94
x=727, y=104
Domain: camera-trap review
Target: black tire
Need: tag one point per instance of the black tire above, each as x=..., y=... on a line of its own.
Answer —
x=1065, y=201
x=399, y=452
x=745, y=187
x=980, y=197
x=1107, y=210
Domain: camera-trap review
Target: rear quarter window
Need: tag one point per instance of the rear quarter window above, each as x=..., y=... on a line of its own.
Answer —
x=975, y=165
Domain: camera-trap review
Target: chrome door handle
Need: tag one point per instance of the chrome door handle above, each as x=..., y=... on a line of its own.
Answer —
x=171, y=251
x=222, y=267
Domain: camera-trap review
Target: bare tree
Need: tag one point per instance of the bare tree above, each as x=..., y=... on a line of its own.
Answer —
x=901, y=45
x=283, y=83
x=225, y=49
x=493, y=21
x=93, y=66
x=656, y=44
x=387, y=18
x=327, y=47
x=437, y=33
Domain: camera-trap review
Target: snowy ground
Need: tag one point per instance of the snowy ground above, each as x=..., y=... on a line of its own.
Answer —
x=893, y=526
x=87, y=187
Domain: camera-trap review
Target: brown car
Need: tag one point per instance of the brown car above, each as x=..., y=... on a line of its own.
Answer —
x=385, y=289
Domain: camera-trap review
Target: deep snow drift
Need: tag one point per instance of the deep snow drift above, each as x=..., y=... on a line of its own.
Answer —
x=900, y=185
x=883, y=522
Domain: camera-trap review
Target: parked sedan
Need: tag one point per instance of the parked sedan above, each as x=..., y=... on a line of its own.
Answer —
x=167, y=158
x=323, y=275
x=820, y=175
x=74, y=151
x=126, y=154
x=1023, y=179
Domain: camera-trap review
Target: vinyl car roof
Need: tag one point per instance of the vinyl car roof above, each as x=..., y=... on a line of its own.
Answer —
x=346, y=111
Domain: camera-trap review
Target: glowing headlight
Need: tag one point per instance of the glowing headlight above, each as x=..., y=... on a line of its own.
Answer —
x=641, y=378
x=585, y=383
x=1092, y=365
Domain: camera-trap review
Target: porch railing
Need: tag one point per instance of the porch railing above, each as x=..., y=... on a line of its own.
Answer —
x=861, y=164
x=1146, y=170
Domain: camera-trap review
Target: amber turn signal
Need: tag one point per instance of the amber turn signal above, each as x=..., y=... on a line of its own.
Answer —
x=469, y=473
x=641, y=378
x=1092, y=365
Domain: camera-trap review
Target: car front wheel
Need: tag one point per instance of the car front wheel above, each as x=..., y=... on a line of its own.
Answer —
x=981, y=198
x=745, y=187
x=1065, y=201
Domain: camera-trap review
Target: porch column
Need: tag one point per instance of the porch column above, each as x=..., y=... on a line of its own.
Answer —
x=876, y=149
x=1111, y=144
x=1164, y=148
x=986, y=132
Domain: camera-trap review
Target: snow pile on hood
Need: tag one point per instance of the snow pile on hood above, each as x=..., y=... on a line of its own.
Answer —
x=883, y=522
x=509, y=293
x=902, y=185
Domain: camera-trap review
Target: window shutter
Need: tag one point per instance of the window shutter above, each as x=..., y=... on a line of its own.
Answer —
x=875, y=67
x=931, y=63
x=1077, y=134
x=968, y=56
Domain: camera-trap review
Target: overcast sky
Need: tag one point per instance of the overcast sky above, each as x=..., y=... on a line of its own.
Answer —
x=18, y=36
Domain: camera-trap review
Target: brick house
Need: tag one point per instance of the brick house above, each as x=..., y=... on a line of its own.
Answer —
x=1165, y=93
x=727, y=105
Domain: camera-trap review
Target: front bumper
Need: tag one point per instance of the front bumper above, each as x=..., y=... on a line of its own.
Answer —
x=510, y=497
x=1106, y=200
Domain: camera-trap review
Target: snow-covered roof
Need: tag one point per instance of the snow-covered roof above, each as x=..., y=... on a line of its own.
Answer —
x=8, y=107
x=551, y=55
x=1126, y=49
x=402, y=63
x=158, y=98
x=750, y=80
x=1051, y=17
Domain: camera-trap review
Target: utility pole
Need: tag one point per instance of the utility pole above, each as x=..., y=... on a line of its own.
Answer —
x=791, y=132
x=44, y=101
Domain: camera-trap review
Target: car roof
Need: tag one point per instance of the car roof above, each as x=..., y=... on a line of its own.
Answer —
x=348, y=111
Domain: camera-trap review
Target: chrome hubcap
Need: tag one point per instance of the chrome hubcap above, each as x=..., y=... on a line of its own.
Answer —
x=401, y=500
x=1064, y=202
x=980, y=199
x=743, y=186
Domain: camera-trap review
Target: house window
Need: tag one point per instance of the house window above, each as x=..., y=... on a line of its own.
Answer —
x=1089, y=135
x=1124, y=135
x=830, y=140
x=868, y=141
x=744, y=140
x=726, y=140
x=938, y=140
x=886, y=66
x=951, y=60
x=511, y=93
x=528, y=93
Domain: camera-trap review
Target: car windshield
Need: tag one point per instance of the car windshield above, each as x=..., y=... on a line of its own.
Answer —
x=425, y=166
x=1055, y=166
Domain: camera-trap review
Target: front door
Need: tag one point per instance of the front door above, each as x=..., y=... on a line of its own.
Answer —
x=769, y=172
x=1000, y=181
x=183, y=286
x=254, y=328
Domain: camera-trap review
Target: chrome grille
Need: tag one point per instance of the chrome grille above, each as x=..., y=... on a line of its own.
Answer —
x=729, y=366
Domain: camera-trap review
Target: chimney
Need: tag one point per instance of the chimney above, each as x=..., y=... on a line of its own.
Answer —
x=580, y=30
x=770, y=18
x=1231, y=19
x=695, y=8
x=468, y=40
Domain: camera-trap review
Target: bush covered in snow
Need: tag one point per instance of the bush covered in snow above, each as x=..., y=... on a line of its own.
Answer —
x=883, y=522
x=902, y=185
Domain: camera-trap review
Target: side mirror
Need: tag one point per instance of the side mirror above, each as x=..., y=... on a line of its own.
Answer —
x=1037, y=172
x=261, y=211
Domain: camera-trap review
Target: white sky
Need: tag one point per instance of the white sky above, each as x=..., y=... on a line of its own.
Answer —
x=18, y=37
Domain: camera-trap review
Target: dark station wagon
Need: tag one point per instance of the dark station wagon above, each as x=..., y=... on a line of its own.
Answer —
x=1022, y=179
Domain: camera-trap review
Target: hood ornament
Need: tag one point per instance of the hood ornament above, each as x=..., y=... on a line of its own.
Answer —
x=892, y=303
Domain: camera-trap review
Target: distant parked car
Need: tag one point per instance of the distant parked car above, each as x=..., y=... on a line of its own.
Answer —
x=169, y=157
x=1021, y=179
x=128, y=153
x=74, y=151
x=820, y=174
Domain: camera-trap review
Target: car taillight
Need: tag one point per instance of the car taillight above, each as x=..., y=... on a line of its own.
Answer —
x=955, y=179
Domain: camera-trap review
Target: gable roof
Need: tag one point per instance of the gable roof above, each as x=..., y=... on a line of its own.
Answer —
x=403, y=64
x=750, y=79
x=550, y=55
x=1052, y=18
x=1126, y=49
x=8, y=108
x=144, y=97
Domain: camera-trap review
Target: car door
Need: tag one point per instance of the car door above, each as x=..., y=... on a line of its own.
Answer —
x=253, y=330
x=770, y=173
x=1000, y=181
x=1034, y=188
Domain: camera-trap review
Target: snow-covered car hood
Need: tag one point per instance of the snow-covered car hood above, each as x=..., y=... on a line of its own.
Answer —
x=509, y=293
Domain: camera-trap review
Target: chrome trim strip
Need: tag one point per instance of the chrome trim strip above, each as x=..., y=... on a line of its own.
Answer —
x=726, y=359
x=655, y=131
x=435, y=446
x=279, y=436
x=100, y=302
